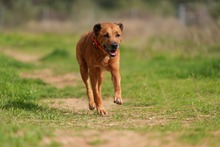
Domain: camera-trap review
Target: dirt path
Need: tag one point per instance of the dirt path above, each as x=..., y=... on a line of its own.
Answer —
x=113, y=138
x=99, y=136
x=47, y=75
x=20, y=56
x=77, y=104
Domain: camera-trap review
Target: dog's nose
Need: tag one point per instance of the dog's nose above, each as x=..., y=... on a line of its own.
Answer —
x=114, y=45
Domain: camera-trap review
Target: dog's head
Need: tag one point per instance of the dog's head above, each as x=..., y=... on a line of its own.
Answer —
x=109, y=36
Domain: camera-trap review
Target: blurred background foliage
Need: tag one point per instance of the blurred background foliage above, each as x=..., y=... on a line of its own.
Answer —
x=17, y=12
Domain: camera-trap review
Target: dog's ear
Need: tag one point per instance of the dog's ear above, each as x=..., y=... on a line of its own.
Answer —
x=121, y=26
x=97, y=28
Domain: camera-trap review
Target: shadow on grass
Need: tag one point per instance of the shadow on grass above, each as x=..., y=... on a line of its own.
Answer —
x=37, y=109
x=21, y=104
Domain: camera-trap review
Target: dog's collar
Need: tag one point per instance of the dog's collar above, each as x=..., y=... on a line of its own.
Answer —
x=96, y=44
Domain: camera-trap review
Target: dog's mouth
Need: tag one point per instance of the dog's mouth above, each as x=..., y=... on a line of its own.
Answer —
x=111, y=52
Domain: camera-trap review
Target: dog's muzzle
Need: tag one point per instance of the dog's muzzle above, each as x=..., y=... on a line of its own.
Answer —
x=112, y=48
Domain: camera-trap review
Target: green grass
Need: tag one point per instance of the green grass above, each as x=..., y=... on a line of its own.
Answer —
x=164, y=91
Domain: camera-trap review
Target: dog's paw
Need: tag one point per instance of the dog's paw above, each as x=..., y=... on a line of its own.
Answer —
x=102, y=111
x=92, y=106
x=118, y=101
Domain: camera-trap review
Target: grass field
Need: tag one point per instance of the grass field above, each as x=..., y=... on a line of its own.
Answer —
x=170, y=88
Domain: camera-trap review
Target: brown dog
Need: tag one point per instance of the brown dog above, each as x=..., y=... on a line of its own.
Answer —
x=96, y=52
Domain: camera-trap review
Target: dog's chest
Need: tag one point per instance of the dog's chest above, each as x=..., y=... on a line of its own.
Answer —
x=103, y=62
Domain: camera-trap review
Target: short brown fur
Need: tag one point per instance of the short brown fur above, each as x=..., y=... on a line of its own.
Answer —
x=93, y=61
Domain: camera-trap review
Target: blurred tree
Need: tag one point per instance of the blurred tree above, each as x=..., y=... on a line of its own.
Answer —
x=7, y=3
x=64, y=5
x=15, y=12
x=215, y=10
x=107, y=4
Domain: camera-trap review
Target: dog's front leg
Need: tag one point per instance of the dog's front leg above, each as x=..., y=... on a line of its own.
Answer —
x=96, y=77
x=116, y=79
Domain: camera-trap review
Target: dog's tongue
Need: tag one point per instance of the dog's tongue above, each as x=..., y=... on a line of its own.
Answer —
x=112, y=53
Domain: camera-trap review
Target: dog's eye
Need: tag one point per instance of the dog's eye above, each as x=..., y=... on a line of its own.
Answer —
x=106, y=35
x=118, y=35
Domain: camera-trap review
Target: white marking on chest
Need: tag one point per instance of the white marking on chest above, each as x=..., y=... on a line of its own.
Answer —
x=105, y=61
